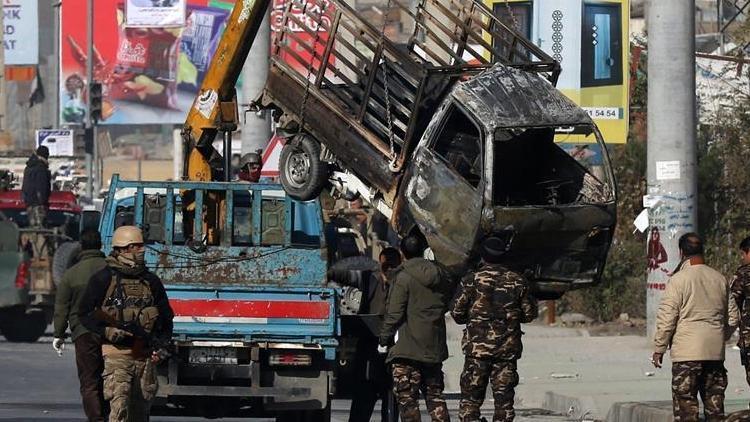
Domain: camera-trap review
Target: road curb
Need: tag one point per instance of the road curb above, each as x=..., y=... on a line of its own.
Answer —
x=640, y=411
x=579, y=408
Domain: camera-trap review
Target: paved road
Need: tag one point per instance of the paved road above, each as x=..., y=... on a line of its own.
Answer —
x=37, y=385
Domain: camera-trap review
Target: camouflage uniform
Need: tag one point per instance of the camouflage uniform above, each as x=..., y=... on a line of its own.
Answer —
x=740, y=288
x=707, y=378
x=492, y=303
x=409, y=379
x=129, y=386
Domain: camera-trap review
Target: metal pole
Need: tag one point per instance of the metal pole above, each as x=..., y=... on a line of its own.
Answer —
x=89, y=80
x=227, y=155
x=720, y=24
x=3, y=92
x=256, y=127
x=671, y=152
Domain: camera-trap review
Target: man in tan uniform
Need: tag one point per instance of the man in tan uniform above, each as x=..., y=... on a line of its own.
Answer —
x=127, y=305
x=695, y=318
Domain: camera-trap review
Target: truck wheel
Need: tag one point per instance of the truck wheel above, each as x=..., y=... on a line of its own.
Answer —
x=19, y=327
x=302, y=173
x=64, y=258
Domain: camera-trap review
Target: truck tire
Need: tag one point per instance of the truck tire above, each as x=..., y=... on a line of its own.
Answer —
x=64, y=258
x=19, y=327
x=303, y=175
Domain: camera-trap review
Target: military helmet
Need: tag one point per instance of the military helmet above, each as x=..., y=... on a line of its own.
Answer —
x=250, y=158
x=125, y=236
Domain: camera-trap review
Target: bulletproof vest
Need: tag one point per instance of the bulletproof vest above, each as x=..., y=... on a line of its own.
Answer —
x=130, y=303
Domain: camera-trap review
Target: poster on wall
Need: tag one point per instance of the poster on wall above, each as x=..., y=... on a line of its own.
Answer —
x=21, y=32
x=155, y=13
x=148, y=75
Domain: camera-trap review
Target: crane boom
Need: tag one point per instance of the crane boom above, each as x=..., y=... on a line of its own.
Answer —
x=215, y=107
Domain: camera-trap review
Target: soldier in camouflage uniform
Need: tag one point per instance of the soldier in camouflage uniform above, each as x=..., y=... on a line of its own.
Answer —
x=740, y=287
x=492, y=302
x=128, y=307
x=414, y=329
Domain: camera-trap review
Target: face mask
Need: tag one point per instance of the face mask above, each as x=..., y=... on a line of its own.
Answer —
x=132, y=260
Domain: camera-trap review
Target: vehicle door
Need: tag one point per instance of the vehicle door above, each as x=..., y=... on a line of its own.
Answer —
x=445, y=184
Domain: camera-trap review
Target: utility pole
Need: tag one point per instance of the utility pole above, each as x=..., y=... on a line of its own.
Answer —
x=256, y=127
x=3, y=91
x=90, y=131
x=671, y=140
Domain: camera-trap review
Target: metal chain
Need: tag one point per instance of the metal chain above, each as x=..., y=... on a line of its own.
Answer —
x=389, y=118
x=303, y=107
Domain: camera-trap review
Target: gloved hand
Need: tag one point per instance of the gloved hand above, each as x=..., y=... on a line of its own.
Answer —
x=382, y=350
x=116, y=335
x=58, y=344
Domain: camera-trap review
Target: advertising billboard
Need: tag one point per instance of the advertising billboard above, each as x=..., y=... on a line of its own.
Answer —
x=21, y=36
x=149, y=75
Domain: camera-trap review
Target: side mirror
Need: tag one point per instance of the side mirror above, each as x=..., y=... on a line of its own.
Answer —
x=90, y=220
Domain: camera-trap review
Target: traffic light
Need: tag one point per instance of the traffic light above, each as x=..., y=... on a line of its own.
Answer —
x=95, y=96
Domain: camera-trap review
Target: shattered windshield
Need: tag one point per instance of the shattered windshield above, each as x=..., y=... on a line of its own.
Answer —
x=536, y=167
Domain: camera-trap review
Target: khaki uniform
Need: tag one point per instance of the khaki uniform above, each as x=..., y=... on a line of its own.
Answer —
x=492, y=303
x=694, y=319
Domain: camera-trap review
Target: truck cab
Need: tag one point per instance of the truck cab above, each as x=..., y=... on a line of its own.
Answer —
x=255, y=325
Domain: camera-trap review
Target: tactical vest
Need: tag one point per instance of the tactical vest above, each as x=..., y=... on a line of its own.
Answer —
x=130, y=304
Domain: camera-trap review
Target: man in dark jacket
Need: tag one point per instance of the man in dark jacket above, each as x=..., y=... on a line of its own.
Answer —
x=492, y=302
x=369, y=365
x=414, y=327
x=88, y=345
x=127, y=305
x=36, y=186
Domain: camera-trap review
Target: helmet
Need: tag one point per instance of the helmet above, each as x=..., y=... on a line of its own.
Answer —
x=125, y=236
x=250, y=158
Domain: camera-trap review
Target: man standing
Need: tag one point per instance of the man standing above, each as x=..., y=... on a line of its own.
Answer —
x=493, y=302
x=695, y=318
x=128, y=306
x=414, y=327
x=740, y=287
x=88, y=345
x=36, y=186
x=369, y=365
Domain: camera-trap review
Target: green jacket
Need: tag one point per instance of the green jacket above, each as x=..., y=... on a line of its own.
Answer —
x=417, y=303
x=71, y=289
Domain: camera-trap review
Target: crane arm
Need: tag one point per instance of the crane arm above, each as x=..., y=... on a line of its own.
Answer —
x=215, y=107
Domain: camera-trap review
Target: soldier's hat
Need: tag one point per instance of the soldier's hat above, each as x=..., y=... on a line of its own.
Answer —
x=493, y=248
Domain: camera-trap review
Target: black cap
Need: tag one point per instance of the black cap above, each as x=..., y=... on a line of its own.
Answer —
x=43, y=152
x=493, y=248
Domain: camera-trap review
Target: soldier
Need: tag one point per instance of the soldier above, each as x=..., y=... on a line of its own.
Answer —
x=695, y=318
x=740, y=287
x=493, y=302
x=414, y=328
x=36, y=186
x=127, y=305
x=88, y=345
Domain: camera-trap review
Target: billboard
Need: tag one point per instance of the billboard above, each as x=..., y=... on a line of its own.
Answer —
x=60, y=142
x=590, y=39
x=21, y=36
x=149, y=75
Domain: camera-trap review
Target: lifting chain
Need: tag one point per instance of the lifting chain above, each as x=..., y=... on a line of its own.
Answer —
x=319, y=22
x=393, y=164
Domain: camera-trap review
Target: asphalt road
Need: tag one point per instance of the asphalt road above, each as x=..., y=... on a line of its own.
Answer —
x=37, y=385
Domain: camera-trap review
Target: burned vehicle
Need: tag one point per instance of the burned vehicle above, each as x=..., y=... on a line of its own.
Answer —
x=452, y=133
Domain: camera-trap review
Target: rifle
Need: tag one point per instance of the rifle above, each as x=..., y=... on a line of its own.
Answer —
x=141, y=338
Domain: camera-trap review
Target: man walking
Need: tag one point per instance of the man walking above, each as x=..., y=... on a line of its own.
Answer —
x=414, y=328
x=740, y=287
x=493, y=302
x=695, y=318
x=36, y=186
x=87, y=344
x=369, y=365
x=128, y=306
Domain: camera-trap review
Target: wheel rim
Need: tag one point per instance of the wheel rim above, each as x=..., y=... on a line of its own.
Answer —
x=298, y=168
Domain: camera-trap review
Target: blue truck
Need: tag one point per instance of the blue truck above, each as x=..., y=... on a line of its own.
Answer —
x=256, y=327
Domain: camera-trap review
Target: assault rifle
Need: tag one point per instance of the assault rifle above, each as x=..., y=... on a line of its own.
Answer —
x=143, y=341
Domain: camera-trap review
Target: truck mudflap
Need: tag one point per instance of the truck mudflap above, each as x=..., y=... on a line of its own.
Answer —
x=257, y=313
